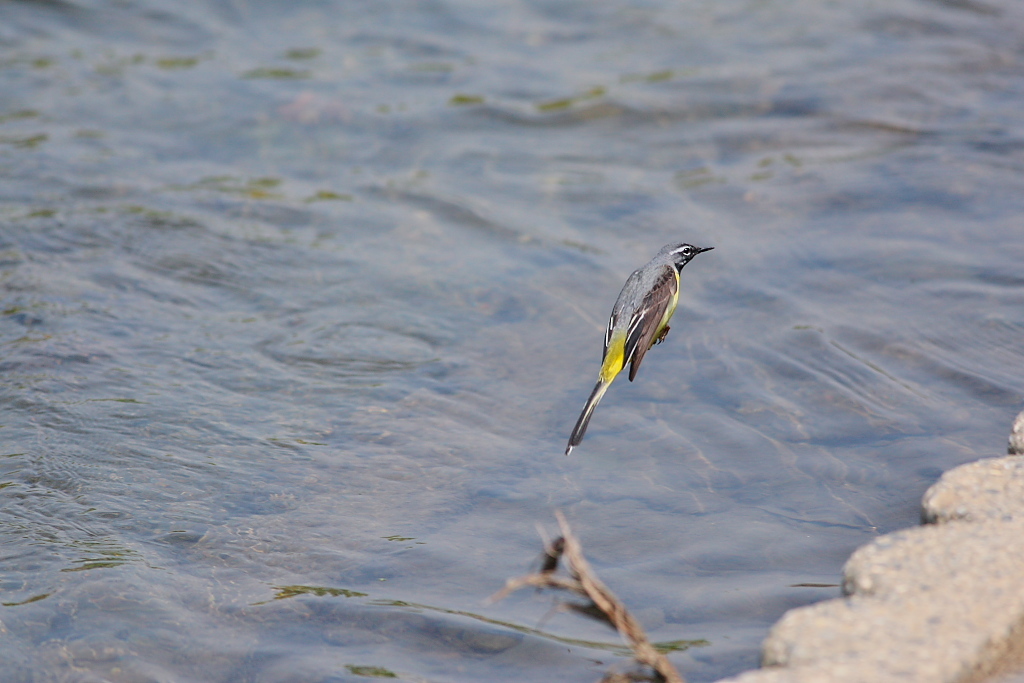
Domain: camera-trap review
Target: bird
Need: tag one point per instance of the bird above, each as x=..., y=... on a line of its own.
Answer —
x=639, y=320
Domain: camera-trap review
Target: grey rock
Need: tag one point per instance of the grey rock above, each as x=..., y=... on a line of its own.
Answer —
x=991, y=488
x=1016, y=446
x=942, y=602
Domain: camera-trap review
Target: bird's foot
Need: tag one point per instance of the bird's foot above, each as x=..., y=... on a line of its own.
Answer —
x=661, y=337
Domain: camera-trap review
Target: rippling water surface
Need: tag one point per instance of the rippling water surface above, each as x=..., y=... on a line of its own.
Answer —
x=300, y=302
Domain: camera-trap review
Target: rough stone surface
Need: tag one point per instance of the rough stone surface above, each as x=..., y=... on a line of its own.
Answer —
x=991, y=488
x=942, y=602
x=1017, y=436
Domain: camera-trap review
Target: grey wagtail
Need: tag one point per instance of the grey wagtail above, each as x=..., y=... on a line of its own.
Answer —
x=639, y=321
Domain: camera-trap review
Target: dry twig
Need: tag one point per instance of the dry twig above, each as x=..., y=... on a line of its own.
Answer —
x=583, y=581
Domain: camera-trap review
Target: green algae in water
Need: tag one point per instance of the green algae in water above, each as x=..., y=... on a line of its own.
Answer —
x=19, y=115
x=328, y=196
x=284, y=592
x=24, y=142
x=568, y=102
x=34, y=598
x=279, y=73
x=370, y=671
x=460, y=100
x=303, y=53
x=171, y=63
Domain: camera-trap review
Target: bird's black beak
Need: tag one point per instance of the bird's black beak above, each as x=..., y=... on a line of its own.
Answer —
x=701, y=251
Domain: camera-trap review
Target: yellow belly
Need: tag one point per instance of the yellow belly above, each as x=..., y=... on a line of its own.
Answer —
x=614, y=359
x=668, y=311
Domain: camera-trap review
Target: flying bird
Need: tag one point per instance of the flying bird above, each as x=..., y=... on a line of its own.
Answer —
x=639, y=320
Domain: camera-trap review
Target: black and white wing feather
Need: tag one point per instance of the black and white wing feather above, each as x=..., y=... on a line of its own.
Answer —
x=632, y=283
x=643, y=326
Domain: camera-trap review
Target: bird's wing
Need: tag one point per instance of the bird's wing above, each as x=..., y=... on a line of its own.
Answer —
x=613, y=321
x=643, y=326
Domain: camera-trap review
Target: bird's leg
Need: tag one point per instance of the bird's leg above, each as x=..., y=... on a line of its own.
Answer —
x=661, y=337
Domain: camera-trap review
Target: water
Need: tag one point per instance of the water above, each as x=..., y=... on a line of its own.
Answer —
x=300, y=306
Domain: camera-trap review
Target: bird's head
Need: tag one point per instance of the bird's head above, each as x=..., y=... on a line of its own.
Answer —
x=682, y=253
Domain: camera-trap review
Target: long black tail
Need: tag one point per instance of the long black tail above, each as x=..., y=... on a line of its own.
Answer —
x=581, y=424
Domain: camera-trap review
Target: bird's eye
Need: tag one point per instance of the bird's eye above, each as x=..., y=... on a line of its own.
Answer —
x=687, y=251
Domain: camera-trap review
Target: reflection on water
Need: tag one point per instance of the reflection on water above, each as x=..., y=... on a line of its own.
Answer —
x=305, y=298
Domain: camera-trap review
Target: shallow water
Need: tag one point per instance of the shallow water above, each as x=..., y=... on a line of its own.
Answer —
x=300, y=305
